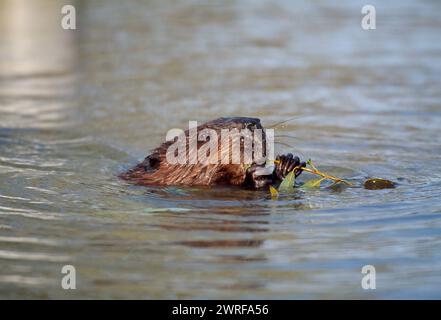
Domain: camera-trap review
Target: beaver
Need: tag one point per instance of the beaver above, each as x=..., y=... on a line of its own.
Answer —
x=155, y=169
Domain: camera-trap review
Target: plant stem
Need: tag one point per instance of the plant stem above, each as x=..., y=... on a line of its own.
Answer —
x=314, y=170
x=324, y=175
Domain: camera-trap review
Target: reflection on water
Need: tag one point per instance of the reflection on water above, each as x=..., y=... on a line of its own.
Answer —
x=37, y=63
x=79, y=107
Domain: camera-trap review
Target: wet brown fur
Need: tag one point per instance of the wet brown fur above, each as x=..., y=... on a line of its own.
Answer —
x=155, y=169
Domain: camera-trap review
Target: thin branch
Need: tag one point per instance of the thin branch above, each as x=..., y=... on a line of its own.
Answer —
x=314, y=170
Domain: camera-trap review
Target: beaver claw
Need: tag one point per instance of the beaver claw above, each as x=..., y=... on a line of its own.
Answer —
x=285, y=164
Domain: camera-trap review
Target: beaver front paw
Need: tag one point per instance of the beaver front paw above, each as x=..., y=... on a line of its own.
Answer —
x=285, y=164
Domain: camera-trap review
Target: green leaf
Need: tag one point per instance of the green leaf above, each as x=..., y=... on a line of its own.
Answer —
x=314, y=183
x=274, y=192
x=287, y=184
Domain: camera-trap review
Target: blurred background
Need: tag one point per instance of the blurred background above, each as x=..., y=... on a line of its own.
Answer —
x=77, y=107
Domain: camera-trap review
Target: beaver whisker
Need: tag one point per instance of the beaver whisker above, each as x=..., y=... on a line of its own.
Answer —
x=296, y=150
x=285, y=136
x=283, y=144
x=284, y=121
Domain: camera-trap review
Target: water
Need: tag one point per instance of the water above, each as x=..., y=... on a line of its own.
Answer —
x=79, y=107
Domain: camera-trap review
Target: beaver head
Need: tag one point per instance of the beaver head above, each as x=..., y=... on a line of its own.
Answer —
x=157, y=169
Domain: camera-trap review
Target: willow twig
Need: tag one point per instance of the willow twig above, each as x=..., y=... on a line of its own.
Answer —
x=314, y=170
